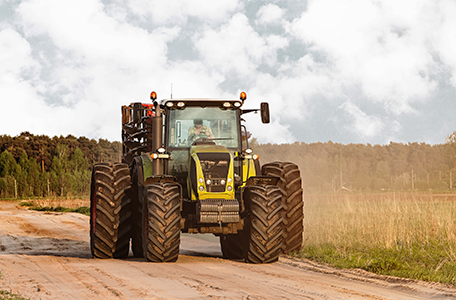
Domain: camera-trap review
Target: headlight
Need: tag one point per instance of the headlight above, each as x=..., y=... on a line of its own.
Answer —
x=223, y=181
x=201, y=188
x=230, y=180
x=169, y=104
x=229, y=188
x=208, y=182
x=200, y=180
x=226, y=104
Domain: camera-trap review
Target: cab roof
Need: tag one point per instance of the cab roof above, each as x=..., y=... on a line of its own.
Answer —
x=201, y=102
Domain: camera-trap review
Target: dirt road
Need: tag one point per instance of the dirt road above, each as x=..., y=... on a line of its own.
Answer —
x=47, y=256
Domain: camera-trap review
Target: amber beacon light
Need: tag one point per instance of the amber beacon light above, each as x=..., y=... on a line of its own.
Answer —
x=243, y=96
x=153, y=95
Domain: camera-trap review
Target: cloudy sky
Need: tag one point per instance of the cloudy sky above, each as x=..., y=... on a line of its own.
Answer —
x=349, y=71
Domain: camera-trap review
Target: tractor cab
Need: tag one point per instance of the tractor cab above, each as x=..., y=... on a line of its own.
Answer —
x=207, y=131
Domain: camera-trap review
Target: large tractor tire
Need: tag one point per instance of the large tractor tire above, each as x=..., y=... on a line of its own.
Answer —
x=232, y=246
x=137, y=187
x=264, y=203
x=161, y=222
x=110, y=211
x=291, y=185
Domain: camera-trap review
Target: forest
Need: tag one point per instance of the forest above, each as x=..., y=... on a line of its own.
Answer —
x=40, y=166
x=333, y=167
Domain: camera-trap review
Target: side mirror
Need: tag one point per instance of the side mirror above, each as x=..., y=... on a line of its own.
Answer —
x=265, y=112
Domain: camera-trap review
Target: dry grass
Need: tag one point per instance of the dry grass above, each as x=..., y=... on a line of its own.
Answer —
x=401, y=234
x=386, y=220
x=61, y=202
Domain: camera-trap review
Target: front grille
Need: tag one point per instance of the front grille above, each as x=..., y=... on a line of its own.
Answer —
x=215, y=168
x=216, y=185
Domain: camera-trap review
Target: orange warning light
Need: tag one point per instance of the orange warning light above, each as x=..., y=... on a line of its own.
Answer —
x=153, y=95
x=243, y=96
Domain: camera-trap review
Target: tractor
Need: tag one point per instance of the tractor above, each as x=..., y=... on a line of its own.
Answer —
x=187, y=167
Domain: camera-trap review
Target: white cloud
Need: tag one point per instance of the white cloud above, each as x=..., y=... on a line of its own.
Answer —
x=15, y=56
x=179, y=11
x=269, y=13
x=444, y=39
x=75, y=62
x=367, y=43
x=235, y=47
x=366, y=126
x=19, y=95
x=274, y=132
x=84, y=27
x=100, y=64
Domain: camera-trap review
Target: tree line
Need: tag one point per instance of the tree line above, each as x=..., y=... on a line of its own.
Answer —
x=336, y=167
x=40, y=166
x=37, y=165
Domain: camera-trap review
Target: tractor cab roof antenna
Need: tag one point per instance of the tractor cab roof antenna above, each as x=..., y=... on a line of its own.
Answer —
x=171, y=91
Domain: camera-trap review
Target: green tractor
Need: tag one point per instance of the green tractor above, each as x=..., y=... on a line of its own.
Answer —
x=187, y=167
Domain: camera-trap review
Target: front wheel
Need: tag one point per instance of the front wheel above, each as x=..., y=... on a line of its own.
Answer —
x=161, y=222
x=265, y=231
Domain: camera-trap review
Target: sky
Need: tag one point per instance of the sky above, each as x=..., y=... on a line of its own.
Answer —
x=347, y=71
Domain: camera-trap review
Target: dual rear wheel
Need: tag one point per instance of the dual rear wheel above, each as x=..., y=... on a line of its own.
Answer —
x=254, y=243
x=114, y=217
x=290, y=183
x=110, y=211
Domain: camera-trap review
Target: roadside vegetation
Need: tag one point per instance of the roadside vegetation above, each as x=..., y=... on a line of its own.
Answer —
x=5, y=295
x=411, y=235
x=58, y=205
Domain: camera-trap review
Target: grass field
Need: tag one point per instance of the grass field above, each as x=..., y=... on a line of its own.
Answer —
x=401, y=234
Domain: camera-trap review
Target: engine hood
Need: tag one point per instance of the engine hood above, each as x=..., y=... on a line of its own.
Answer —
x=211, y=172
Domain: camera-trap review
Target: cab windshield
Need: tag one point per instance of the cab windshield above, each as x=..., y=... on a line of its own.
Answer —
x=191, y=123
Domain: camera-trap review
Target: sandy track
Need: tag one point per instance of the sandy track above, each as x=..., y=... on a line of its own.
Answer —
x=47, y=256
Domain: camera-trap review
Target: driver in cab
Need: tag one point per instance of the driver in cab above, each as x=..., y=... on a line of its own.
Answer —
x=199, y=131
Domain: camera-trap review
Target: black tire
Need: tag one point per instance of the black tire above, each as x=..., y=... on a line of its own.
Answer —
x=291, y=184
x=137, y=187
x=265, y=225
x=110, y=211
x=232, y=246
x=161, y=222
